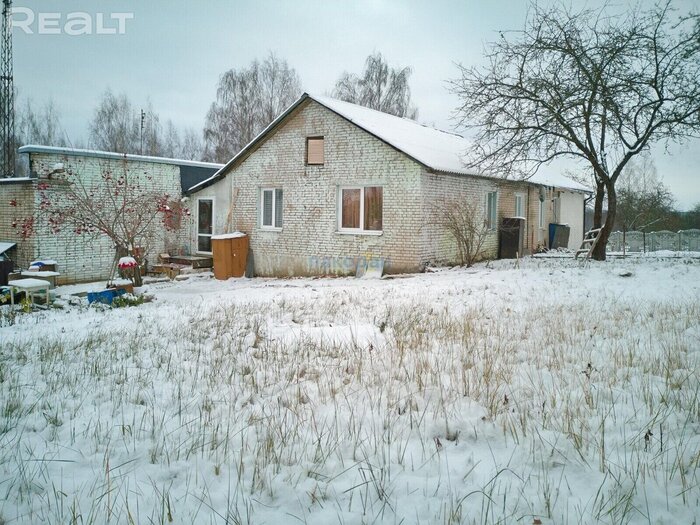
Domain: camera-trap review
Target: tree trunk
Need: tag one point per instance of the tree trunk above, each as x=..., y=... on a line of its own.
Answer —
x=137, y=280
x=600, y=248
x=598, y=208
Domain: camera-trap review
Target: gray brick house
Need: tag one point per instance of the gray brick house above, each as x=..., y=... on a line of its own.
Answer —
x=84, y=257
x=329, y=185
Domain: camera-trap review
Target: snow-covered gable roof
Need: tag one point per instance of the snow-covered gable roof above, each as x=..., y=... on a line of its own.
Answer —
x=438, y=150
x=434, y=148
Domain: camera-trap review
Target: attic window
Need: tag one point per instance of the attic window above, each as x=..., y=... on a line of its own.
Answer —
x=314, y=151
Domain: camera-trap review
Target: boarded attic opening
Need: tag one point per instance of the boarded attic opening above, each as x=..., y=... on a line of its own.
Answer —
x=314, y=151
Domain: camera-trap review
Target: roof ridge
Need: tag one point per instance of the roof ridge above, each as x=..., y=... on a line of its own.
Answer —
x=384, y=114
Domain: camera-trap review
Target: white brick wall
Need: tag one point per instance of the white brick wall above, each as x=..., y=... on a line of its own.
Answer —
x=309, y=243
x=17, y=206
x=84, y=257
x=438, y=246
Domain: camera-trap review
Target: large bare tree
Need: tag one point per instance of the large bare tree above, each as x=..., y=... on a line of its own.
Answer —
x=247, y=100
x=593, y=85
x=379, y=87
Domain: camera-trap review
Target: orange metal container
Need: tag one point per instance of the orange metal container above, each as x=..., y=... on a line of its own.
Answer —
x=230, y=255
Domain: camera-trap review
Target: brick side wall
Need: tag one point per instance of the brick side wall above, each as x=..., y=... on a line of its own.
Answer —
x=84, y=257
x=439, y=247
x=309, y=242
x=439, y=190
x=16, y=212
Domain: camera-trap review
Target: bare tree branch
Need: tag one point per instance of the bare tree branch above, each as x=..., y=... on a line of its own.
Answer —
x=589, y=85
x=247, y=100
x=379, y=87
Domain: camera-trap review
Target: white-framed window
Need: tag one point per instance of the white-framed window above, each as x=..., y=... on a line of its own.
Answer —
x=360, y=209
x=271, y=204
x=519, y=205
x=492, y=210
x=205, y=224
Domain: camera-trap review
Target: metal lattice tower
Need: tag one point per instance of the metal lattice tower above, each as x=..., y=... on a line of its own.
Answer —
x=7, y=96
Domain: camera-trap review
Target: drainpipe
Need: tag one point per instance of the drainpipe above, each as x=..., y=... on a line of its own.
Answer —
x=585, y=204
x=527, y=219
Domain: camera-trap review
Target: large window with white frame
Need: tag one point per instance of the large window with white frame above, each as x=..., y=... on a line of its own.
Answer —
x=361, y=209
x=271, y=205
x=205, y=224
x=492, y=210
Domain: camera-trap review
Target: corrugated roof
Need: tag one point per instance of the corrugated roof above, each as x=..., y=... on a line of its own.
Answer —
x=435, y=149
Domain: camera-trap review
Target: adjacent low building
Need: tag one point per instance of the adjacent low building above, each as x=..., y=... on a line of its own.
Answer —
x=329, y=186
x=82, y=257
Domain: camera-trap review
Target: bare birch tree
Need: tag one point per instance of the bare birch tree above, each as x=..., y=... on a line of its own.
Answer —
x=39, y=125
x=119, y=126
x=594, y=86
x=191, y=146
x=247, y=100
x=643, y=200
x=115, y=125
x=36, y=125
x=379, y=87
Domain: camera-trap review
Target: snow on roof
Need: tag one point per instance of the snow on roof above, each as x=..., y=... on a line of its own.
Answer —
x=434, y=148
x=224, y=236
x=33, y=148
x=15, y=180
x=4, y=246
x=547, y=177
x=439, y=150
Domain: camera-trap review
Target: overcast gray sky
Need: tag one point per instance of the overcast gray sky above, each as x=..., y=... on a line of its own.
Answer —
x=173, y=52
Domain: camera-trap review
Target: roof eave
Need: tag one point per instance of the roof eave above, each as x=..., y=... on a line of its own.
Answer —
x=528, y=181
x=77, y=152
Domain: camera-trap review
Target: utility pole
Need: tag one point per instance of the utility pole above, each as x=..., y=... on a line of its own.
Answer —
x=7, y=96
x=143, y=123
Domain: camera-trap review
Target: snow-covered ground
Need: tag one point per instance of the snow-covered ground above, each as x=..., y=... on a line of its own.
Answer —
x=552, y=392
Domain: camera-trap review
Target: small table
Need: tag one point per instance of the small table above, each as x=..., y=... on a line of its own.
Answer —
x=43, y=274
x=30, y=286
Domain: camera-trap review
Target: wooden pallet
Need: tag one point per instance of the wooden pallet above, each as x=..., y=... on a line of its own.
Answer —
x=590, y=240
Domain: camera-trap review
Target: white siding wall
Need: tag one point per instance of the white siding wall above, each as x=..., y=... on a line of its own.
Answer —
x=572, y=214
